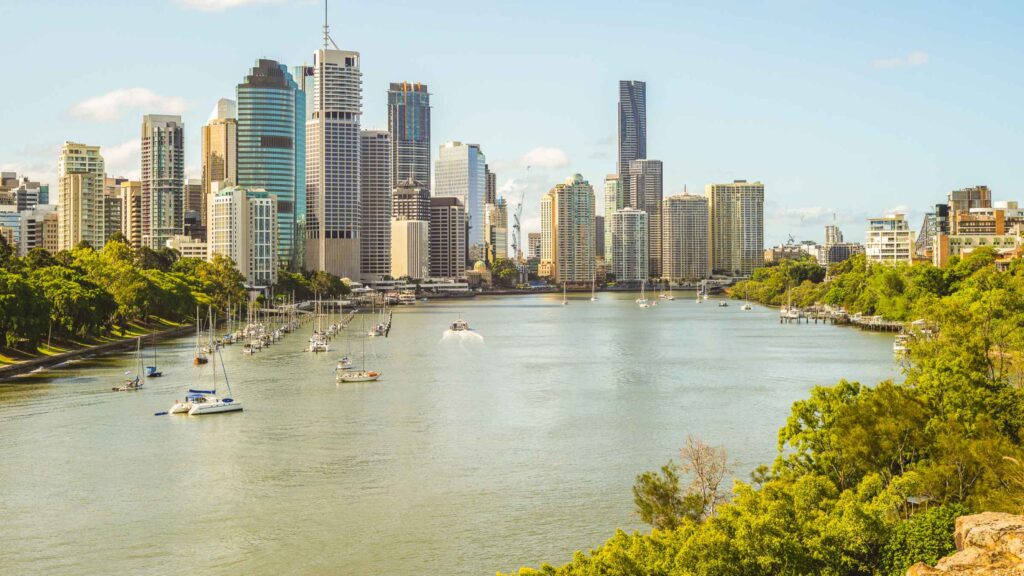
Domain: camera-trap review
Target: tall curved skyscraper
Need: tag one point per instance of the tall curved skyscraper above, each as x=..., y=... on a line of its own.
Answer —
x=632, y=127
x=270, y=124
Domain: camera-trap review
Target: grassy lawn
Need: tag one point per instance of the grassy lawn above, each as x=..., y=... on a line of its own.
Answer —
x=132, y=330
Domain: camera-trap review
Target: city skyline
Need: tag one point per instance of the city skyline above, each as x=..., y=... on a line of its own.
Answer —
x=813, y=109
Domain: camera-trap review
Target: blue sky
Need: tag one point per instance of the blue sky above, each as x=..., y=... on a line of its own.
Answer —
x=848, y=108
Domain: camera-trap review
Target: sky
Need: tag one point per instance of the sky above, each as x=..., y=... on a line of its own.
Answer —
x=843, y=110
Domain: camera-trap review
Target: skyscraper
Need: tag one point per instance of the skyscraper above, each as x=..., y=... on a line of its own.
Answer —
x=220, y=155
x=459, y=172
x=375, y=204
x=80, y=171
x=645, y=193
x=163, y=179
x=496, y=223
x=409, y=126
x=736, y=213
x=533, y=243
x=567, y=227
x=192, y=196
x=131, y=212
x=332, y=164
x=632, y=132
x=599, y=247
x=491, y=187
x=270, y=122
x=613, y=200
x=630, y=246
x=410, y=200
x=243, y=226
x=685, y=237
x=447, y=238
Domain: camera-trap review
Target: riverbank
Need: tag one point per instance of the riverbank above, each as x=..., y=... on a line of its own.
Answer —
x=10, y=371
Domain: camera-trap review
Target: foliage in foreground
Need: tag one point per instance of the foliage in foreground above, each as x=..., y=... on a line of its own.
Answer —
x=867, y=480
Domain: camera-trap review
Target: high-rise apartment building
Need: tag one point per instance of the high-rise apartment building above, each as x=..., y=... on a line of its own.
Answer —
x=632, y=133
x=131, y=212
x=375, y=204
x=332, y=164
x=243, y=226
x=163, y=178
x=889, y=240
x=833, y=235
x=533, y=242
x=410, y=249
x=491, y=187
x=80, y=172
x=410, y=200
x=736, y=212
x=599, y=247
x=567, y=229
x=646, y=190
x=271, y=115
x=220, y=152
x=685, y=237
x=496, y=225
x=613, y=201
x=192, y=196
x=459, y=173
x=630, y=246
x=447, y=237
x=409, y=125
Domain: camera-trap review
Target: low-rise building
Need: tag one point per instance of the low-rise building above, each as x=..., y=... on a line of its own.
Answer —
x=188, y=246
x=889, y=240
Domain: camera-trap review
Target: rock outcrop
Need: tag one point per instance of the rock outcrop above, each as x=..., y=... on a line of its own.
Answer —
x=991, y=543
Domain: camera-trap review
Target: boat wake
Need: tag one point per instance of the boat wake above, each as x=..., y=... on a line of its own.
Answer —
x=462, y=337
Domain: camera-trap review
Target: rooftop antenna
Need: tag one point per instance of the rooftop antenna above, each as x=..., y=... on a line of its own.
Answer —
x=327, y=31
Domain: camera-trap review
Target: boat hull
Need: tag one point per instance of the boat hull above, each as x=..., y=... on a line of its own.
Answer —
x=214, y=408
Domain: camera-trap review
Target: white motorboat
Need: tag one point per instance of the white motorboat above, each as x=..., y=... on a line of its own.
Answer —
x=459, y=325
x=722, y=304
x=344, y=364
x=746, y=307
x=214, y=405
x=319, y=345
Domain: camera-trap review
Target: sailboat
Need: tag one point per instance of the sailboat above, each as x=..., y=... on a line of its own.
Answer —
x=136, y=382
x=670, y=296
x=200, y=356
x=593, y=289
x=360, y=376
x=746, y=302
x=565, y=301
x=642, y=300
x=152, y=371
x=202, y=402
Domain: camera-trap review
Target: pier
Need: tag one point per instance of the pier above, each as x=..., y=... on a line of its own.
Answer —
x=837, y=316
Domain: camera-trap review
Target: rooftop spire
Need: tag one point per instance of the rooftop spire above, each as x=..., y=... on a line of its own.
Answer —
x=327, y=31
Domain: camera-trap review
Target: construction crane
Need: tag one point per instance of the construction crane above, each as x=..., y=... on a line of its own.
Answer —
x=517, y=240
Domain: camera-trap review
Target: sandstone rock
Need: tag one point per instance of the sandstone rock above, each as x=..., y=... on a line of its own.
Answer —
x=991, y=543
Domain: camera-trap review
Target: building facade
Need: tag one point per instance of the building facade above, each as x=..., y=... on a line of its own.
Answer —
x=243, y=227
x=447, y=237
x=332, y=164
x=409, y=126
x=271, y=113
x=131, y=212
x=533, y=242
x=219, y=149
x=567, y=225
x=736, y=213
x=80, y=174
x=410, y=200
x=889, y=240
x=496, y=226
x=613, y=201
x=632, y=132
x=375, y=204
x=630, y=246
x=459, y=173
x=410, y=249
x=491, y=187
x=686, y=238
x=189, y=247
x=646, y=190
x=163, y=179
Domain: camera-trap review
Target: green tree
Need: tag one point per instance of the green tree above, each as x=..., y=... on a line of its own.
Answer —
x=505, y=273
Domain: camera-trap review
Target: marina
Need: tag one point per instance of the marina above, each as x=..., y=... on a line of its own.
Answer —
x=468, y=456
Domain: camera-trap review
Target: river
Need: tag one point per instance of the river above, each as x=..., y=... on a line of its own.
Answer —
x=470, y=455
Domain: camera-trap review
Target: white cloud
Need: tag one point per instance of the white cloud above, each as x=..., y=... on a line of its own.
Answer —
x=912, y=60
x=123, y=160
x=222, y=5
x=545, y=157
x=110, y=106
